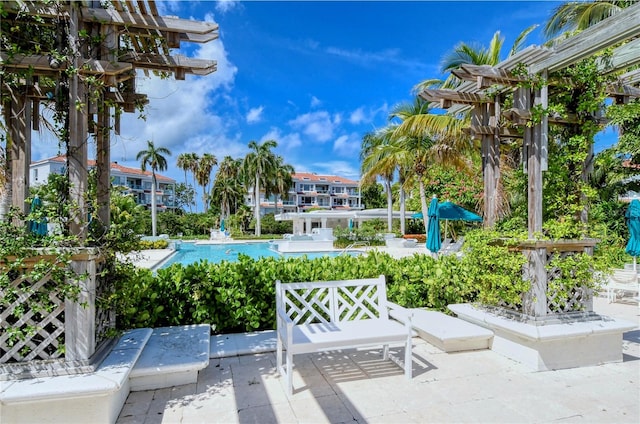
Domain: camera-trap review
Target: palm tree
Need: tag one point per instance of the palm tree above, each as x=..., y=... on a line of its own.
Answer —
x=203, y=176
x=376, y=162
x=257, y=164
x=153, y=157
x=422, y=139
x=194, y=161
x=185, y=162
x=282, y=179
x=577, y=16
x=227, y=188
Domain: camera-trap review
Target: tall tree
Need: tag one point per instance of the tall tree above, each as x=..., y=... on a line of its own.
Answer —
x=282, y=179
x=194, y=161
x=186, y=163
x=259, y=163
x=580, y=15
x=377, y=163
x=227, y=187
x=203, y=176
x=153, y=158
x=423, y=138
x=473, y=54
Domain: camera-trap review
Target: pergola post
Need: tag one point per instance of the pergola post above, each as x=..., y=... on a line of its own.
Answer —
x=535, y=302
x=19, y=114
x=103, y=139
x=78, y=133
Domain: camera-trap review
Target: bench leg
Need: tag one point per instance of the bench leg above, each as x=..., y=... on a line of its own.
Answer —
x=408, y=364
x=279, y=355
x=385, y=352
x=289, y=373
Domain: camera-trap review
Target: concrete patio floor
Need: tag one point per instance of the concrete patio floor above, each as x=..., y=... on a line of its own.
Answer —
x=357, y=386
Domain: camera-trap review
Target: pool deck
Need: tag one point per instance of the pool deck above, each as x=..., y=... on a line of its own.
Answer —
x=357, y=386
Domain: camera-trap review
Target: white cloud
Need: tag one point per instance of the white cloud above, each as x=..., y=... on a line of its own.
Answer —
x=285, y=141
x=338, y=167
x=358, y=116
x=223, y=6
x=317, y=125
x=347, y=145
x=315, y=102
x=255, y=114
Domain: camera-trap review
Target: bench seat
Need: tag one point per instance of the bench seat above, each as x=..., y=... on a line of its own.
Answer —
x=321, y=337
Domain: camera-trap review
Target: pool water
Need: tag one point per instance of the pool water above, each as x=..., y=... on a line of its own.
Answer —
x=189, y=253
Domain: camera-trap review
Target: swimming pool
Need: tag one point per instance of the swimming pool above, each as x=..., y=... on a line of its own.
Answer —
x=188, y=253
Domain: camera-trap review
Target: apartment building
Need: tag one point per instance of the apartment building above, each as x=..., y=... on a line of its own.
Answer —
x=313, y=191
x=134, y=180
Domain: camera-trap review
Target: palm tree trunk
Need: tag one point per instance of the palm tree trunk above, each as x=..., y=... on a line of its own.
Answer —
x=257, y=208
x=423, y=203
x=402, y=211
x=153, y=204
x=387, y=184
x=195, y=191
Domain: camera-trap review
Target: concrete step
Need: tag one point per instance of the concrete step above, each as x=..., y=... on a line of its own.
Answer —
x=224, y=345
x=95, y=397
x=143, y=359
x=173, y=356
x=448, y=333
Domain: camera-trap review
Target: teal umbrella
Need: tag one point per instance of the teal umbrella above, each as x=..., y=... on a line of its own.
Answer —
x=433, y=227
x=350, y=224
x=37, y=226
x=222, y=225
x=452, y=212
x=632, y=216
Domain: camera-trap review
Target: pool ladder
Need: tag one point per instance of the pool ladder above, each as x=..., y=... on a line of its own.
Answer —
x=354, y=245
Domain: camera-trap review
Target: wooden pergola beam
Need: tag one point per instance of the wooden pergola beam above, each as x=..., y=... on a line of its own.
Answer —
x=453, y=96
x=121, y=18
x=521, y=116
x=502, y=132
x=592, y=40
x=178, y=63
x=486, y=75
x=42, y=63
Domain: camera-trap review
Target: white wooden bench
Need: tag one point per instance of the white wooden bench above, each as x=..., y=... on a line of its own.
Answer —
x=332, y=315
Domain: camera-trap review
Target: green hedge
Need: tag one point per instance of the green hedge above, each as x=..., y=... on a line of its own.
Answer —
x=155, y=244
x=240, y=296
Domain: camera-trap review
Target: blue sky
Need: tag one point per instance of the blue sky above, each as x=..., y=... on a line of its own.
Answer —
x=314, y=76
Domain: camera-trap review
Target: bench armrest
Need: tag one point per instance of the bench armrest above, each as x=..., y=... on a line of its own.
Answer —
x=284, y=325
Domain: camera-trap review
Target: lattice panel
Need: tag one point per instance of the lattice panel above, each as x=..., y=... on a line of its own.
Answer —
x=31, y=320
x=569, y=298
x=307, y=306
x=357, y=302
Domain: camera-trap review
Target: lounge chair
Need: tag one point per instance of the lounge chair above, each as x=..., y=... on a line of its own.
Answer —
x=452, y=248
x=621, y=282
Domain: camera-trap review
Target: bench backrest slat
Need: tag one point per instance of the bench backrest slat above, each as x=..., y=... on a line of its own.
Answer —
x=333, y=301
